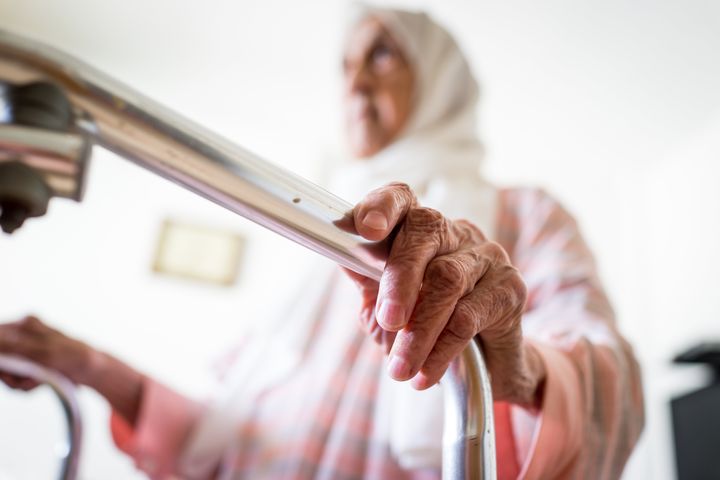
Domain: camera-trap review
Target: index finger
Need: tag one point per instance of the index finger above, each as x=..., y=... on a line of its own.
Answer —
x=382, y=209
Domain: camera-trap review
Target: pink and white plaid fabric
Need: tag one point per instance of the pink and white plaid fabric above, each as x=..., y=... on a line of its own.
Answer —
x=322, y=424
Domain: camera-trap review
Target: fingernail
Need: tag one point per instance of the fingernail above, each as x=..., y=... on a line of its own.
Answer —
x=391, y=315
x=398, y=368
x=375, y=220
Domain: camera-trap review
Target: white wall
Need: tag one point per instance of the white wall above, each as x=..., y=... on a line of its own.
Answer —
x=603, y=103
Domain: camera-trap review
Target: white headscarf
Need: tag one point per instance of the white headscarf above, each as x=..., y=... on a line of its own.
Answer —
x=438, y=154
x=440, y=141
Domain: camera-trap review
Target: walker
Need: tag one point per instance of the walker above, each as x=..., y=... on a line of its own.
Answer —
x=53, y=108
x=65, y=392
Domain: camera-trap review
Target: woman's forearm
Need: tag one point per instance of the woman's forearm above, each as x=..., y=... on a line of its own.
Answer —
x=120, y=384
x=537, y=374
x=526, y=382
x=33, y=340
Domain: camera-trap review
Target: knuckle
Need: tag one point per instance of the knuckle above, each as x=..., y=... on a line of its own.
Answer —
x=518, y=287
x=463, y=324
x=503, y=300
x=424, y=216
x=447, y=273
x=31, y=324
x=382, y=195
x=28, y=321
x=512, y=292
x=467, y=312
x=401, y=192
x=428, y=224
x=468, y=232
x=496, y=252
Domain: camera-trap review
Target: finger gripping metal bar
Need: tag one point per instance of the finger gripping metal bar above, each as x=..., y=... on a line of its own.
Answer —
x=120, y=119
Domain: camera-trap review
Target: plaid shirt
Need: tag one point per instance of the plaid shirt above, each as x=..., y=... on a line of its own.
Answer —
x=322, y=422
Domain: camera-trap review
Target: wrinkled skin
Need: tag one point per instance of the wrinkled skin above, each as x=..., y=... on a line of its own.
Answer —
x=444, y=283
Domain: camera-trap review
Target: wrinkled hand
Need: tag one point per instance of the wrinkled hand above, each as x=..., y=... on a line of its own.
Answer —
x=32, y=340
x=444, y=283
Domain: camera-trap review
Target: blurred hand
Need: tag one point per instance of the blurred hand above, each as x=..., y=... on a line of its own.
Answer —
x=32, y=340
x=443, y=283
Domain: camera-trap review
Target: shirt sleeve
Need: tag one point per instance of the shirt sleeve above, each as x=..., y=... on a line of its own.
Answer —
x=164, y=423
x=592, y=407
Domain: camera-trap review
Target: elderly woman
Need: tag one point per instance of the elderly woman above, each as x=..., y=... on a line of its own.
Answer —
x=318, y=397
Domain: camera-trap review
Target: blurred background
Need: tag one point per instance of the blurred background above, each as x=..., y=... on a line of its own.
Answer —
x=612, y=106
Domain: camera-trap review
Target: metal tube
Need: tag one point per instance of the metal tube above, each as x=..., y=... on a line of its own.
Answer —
x=65, y=391
x=124, y=121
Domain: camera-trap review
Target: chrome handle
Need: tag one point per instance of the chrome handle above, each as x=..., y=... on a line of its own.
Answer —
x=133, y=126
x=65, y=391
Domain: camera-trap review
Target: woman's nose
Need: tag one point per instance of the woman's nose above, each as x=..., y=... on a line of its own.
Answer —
x=359, y=80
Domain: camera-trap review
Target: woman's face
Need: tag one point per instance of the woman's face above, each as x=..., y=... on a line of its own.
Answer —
x=378, y=88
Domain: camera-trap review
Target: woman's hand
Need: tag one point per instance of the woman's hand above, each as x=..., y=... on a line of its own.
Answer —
x=444, y=283
x=32, y=340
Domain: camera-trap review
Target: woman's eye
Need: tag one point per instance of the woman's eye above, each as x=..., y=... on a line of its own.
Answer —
x=382, y=56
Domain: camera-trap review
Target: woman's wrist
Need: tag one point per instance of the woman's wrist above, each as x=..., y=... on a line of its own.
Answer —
x=120, y=384
x=521, y=382
x=89, y=365
x=537, y=373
